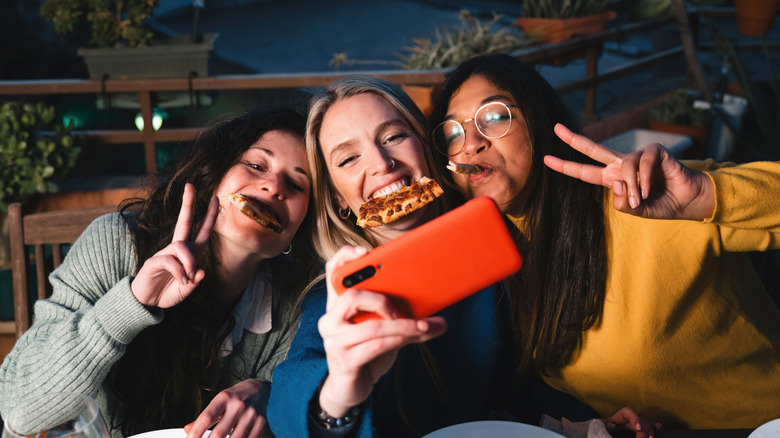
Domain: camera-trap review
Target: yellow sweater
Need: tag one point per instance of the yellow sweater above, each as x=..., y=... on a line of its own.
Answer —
x=689, y=337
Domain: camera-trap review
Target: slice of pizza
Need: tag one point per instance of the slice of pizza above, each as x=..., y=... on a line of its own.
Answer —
x=466, y=169
x=254, y=211
x=389, y=208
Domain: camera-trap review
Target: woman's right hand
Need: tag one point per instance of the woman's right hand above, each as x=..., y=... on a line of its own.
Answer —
x=359, y=354
x=170, y=276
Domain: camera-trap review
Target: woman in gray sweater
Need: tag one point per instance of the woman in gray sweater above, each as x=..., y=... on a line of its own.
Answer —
x=175, y=310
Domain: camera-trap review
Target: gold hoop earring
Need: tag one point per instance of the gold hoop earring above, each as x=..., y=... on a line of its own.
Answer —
x=288, y=250
x=344, y=213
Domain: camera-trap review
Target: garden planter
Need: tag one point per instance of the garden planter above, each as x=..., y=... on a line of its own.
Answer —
x=755, y=17
x=553, y=30
x=175, y=57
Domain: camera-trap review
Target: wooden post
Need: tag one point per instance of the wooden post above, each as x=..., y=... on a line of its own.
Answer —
x=591, y=72
x=150, y=152
x=689, y=47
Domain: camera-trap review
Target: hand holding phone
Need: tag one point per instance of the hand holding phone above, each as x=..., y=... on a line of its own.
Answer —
x=436, y=264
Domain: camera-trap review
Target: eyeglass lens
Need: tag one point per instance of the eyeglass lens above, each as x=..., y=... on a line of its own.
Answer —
x=492, y=121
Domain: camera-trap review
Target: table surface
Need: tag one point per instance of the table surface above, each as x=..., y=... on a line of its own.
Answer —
x=727, y=433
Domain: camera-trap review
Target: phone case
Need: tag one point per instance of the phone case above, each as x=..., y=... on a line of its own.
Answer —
x=438, y=263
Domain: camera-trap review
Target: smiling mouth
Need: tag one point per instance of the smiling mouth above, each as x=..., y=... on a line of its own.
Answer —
x=390, y=188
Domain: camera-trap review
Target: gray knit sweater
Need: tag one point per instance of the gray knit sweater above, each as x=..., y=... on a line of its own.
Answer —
x=84, y=328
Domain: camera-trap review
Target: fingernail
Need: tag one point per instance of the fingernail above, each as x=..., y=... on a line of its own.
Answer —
x=185, y=281
x=191, y=275
x=617, y=187
x=638, y=427
x=422, y=326
x=644, y=193
x=633, y=201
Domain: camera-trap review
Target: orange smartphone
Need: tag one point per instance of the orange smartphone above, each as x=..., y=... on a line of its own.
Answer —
x=436, y=264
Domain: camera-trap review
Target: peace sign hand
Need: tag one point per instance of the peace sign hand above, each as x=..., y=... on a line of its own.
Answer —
x=170, y=276
x=648, y=182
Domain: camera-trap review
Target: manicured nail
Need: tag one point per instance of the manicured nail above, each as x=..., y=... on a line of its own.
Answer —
x=617, y=187
x=633, y=201
x=644, y=194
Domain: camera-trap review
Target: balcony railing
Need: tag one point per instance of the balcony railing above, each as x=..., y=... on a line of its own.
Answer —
x=591, y=46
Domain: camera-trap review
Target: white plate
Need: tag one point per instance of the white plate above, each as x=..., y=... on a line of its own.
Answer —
x=492, y=428
x=767, y=430
x=165, y=433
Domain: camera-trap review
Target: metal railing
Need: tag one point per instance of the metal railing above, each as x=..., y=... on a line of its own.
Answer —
x=590, y=46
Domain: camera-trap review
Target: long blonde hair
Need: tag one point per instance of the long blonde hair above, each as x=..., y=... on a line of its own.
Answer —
x=331, y=231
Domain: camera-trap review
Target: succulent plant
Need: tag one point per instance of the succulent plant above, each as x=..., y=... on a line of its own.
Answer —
x=450, y=47
x=34, y=149
x=681, y=108
x=564, y=8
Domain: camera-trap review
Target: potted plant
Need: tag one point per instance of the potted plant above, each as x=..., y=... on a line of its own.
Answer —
x=682, y=113
x=448, y=48
x=120, y=44
x=34, y=150
x=755, y=17
x=552, y=21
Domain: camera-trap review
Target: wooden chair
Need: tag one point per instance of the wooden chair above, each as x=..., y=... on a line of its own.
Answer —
x=55, y=229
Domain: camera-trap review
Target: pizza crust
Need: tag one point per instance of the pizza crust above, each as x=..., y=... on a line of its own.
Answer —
x=254, y=211
x=390, y=208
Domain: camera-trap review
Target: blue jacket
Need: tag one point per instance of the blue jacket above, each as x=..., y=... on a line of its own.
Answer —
x=474, y=359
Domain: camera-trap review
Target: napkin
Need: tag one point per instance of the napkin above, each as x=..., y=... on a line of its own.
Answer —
x=580, y=429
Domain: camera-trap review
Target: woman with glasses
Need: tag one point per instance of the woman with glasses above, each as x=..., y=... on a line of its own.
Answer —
x=365, y=135
x=636, y=287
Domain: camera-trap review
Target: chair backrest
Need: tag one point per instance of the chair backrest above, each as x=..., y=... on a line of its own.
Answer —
x=55, y=228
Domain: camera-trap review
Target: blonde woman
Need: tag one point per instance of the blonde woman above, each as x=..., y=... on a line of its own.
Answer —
x=365, y=138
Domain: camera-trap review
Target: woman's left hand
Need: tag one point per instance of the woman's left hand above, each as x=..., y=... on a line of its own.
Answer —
x=626, y=418
x=648, y=182
x=238, y=411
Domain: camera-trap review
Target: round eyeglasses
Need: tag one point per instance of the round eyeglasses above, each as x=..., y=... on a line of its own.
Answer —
x=492, y=120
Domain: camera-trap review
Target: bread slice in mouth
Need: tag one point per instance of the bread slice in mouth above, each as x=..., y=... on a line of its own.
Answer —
x=462, y=168
x=254, y=211
x=389, y=208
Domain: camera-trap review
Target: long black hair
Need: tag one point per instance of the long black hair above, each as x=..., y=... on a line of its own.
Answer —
x=170, y=371
x=559, y=292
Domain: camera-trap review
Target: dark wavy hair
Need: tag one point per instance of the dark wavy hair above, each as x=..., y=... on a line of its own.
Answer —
x=559, y=292
x=170, y=371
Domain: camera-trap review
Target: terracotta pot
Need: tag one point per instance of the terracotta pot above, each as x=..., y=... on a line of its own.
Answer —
x=699, y=134
x=755, y=17
x=422, y=96
x=553, y=30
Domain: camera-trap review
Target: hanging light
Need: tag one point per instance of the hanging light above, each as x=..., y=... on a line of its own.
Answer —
x=157, y=120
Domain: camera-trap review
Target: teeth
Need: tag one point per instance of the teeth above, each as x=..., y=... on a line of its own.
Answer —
x=384, y=191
